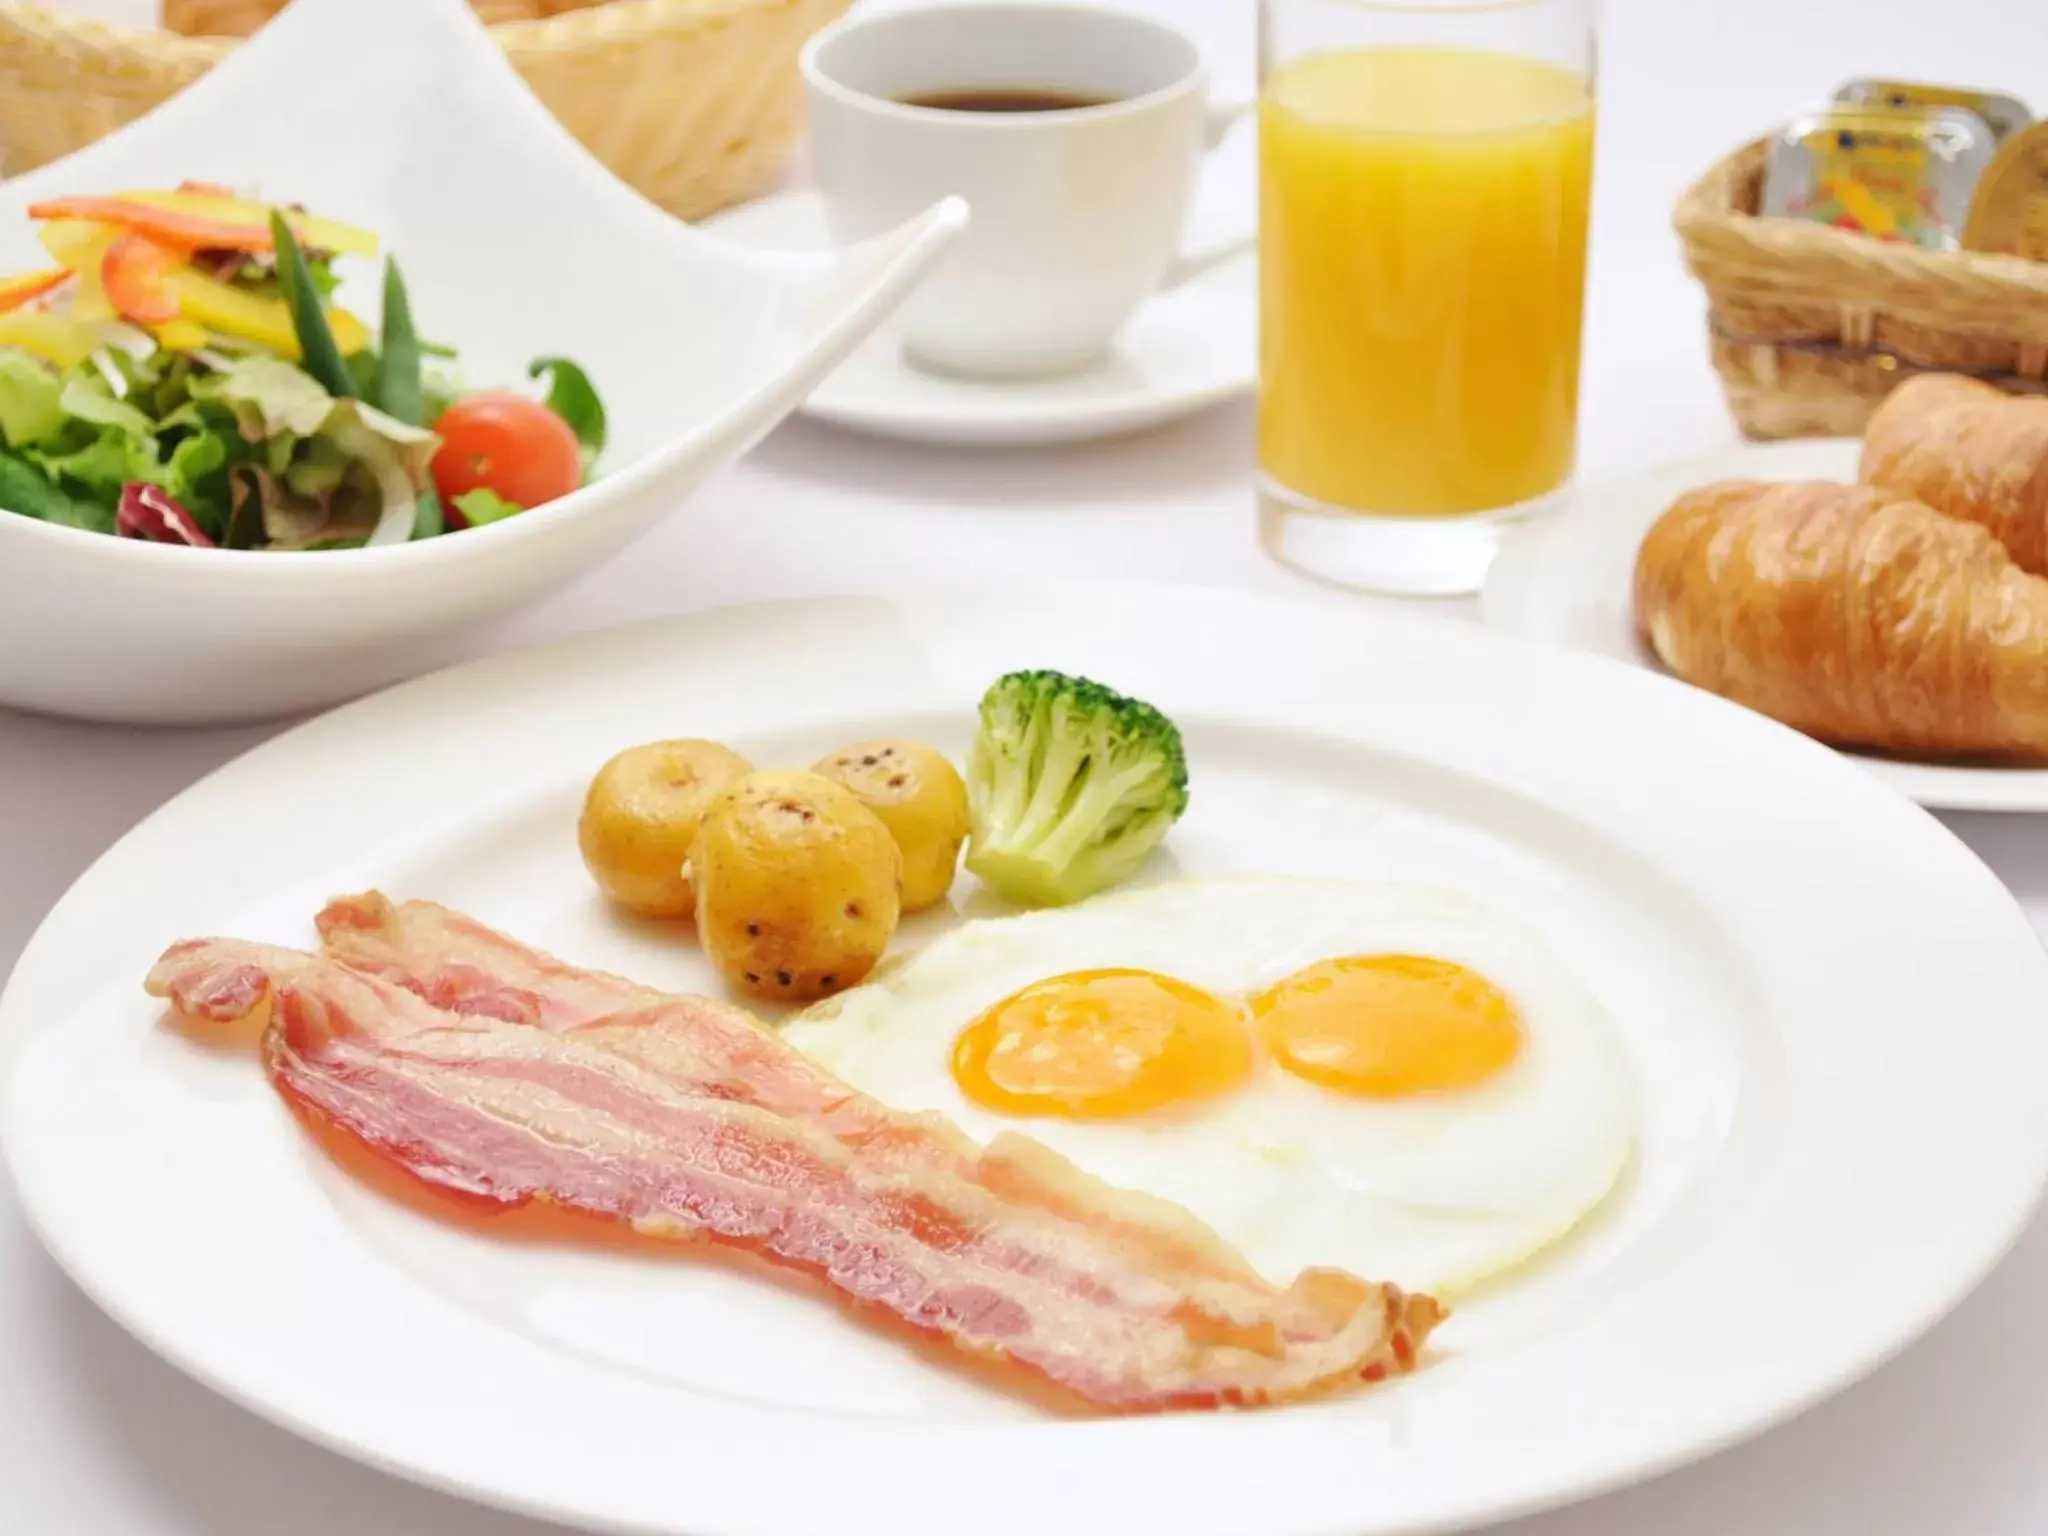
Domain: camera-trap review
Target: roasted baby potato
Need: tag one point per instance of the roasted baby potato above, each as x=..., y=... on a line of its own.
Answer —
x=640, y=820
x=921, y=800
x=798, y=886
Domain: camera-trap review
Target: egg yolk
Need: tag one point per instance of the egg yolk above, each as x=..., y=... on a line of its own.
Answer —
x=1102, y=1045
x=1384, y=1026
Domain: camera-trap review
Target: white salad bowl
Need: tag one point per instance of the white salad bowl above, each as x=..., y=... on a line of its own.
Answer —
x=402, y=116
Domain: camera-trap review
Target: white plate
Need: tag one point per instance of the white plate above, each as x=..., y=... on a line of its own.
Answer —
x=402, y=115
x=1569, y=579
x=1776, y=934
x=1184, y=351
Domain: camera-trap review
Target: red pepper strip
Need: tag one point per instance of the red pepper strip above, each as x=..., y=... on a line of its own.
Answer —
x=182, y=231
x=153, y=513
x=17, y=291
x=135, y=273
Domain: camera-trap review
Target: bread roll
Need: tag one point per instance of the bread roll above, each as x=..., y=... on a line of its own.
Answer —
x=1971, y=451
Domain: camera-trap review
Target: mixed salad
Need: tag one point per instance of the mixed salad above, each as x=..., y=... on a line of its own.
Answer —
x=182, y=374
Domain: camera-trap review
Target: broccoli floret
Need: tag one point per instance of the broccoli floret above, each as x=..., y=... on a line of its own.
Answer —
x=1070, y=785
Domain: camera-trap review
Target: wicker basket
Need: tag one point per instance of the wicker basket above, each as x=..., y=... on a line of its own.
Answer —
x=694, y=102
x=1811, y=326
x=238, y=18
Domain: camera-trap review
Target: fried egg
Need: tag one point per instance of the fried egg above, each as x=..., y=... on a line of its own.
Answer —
x=1389, y=1079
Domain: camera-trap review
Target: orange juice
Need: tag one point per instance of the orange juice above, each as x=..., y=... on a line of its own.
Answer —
x=1422, y=275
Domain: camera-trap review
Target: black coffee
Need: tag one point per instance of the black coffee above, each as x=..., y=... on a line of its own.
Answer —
x=1017, y=100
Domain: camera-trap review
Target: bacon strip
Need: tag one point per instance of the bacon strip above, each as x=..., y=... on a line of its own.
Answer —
x=593, y=1118
x=459, y=964
x=455, y=962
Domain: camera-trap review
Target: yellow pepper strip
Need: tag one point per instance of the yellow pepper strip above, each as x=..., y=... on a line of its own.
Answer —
x=314, y=234
x=180, y=335
x=77, y=243
x=205, y=301
x=54, y=338
x=82, y=247
x=350, y=334
x=250, y=317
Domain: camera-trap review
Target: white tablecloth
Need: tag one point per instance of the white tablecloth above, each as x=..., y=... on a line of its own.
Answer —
x=97, y=1435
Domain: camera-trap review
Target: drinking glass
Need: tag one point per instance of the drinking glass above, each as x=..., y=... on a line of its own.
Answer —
x=1424, y=175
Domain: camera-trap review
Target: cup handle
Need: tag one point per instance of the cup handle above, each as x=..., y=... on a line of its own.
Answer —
x=1189, y=265
x=1224, y=116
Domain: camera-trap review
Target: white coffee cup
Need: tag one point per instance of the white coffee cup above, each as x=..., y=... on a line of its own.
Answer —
x=1077, y=212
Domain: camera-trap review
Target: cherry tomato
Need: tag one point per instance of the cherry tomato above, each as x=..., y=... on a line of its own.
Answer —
x=508, y=444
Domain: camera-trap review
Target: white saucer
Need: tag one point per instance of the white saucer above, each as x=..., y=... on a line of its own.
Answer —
x=1185, y=350
x=1569, y=579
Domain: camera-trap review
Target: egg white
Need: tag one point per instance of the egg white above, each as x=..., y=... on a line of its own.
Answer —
x=1435, y=1192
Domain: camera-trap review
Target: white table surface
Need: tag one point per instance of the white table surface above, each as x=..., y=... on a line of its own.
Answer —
x=97, y=1435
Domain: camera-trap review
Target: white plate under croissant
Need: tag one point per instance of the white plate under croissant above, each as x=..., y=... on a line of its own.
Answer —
x=1571, y=580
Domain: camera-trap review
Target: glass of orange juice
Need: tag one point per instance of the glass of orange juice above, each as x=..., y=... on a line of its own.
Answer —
x=1424, y=175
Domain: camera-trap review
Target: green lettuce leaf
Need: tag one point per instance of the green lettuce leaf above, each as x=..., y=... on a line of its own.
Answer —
x=101, y=465
x=363, y=370
x=197, y=476
x=25, y=489
x=572, y=397
x=194, y=416
x=103, y=444
x=271, y=398
x=320, y=511
x=318, y=469
x=484, y=505
x=29, y=399
x=320, y=268
x=439, y=389
x=321, y=468
x=196, y=456
x=85, y=397
x=155, y=379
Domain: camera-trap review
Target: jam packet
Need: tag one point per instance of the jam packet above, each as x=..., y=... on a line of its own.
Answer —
x=1894, y=173
x=2009, y=214
x=2006, y=115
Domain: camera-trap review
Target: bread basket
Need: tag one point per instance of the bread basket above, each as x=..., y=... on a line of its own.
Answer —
x=694, y=102
x=1811, y=326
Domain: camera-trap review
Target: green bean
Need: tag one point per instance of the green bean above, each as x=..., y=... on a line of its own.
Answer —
x=321, y=357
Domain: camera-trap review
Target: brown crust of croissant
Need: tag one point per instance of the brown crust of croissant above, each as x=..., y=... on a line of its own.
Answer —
x=1971, y=451
x=1856, y=615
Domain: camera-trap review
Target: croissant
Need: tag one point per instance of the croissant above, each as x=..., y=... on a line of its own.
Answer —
x=1857, y=615
x=1971, y=451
